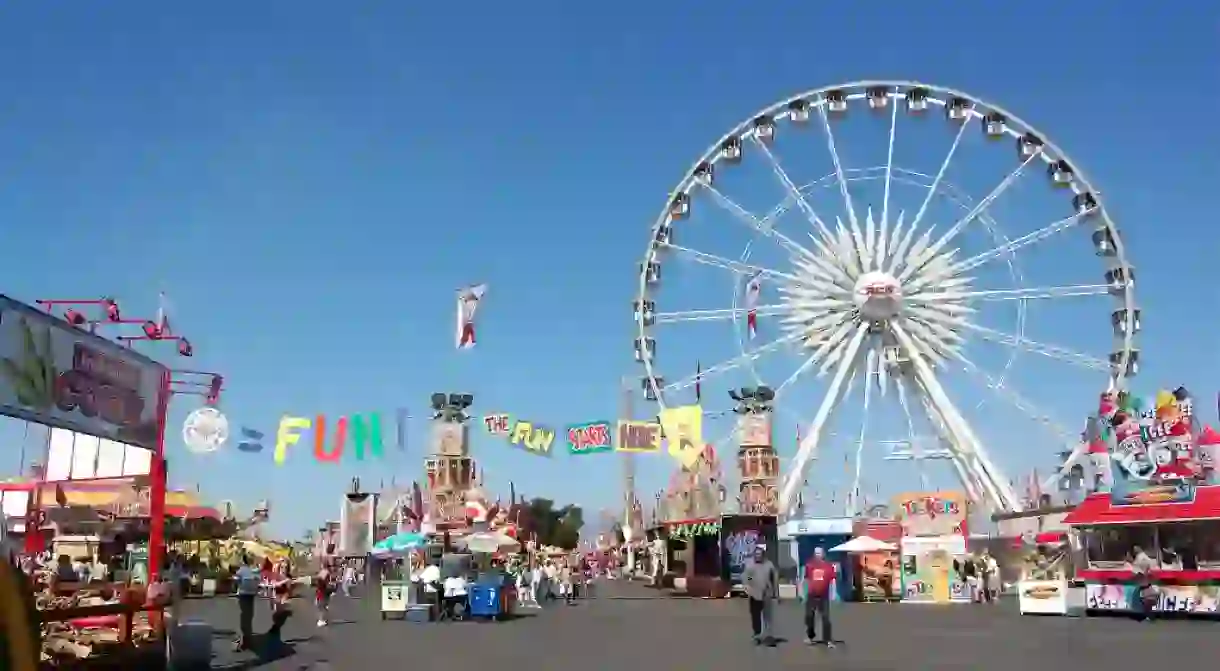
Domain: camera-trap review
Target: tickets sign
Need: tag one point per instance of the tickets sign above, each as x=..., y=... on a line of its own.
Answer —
x=632, y=436
x=590, y=438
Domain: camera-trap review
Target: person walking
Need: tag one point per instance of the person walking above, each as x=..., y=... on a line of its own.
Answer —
x=819, y=577
x=249, y=581
x=760, y=580
x=324, y=587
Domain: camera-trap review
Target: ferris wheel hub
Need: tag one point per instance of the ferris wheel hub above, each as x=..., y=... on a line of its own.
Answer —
x=878, y=296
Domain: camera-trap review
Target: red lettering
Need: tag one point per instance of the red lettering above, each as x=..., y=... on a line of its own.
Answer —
x=319, y=439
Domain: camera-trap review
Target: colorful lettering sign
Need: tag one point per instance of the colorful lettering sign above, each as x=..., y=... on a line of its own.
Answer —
x=56, y=374
x=684, y=530
x=533, y=438
x=1152, y=450
x=632, y=436
x=932, y=513
x=683, y=431
x=497, y=424
x=366, y=432
x=1172, y=598
x=590, y=438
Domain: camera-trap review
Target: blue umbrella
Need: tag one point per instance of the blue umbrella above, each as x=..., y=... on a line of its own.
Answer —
x=403, y=542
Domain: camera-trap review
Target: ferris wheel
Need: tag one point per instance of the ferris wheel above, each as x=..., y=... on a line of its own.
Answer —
x=892, y=272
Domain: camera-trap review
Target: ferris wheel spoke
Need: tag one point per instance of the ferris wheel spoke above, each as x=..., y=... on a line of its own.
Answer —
x=730, y=364
x=796, y=374
x=1052, y=351
x=920, y=255
x=1000, y=387
x=1011, y=246
x=940, y=173
x=718, y=315
x=795, y=195
x=889, y=170
x=834, y=156
x=808, y=449
x=728, y=264
x=870, y=369
x=964, y=442
x=1024, y=294
x=767, y=228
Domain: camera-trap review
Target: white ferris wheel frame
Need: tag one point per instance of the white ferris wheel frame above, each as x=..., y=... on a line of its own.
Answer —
x=980, y=477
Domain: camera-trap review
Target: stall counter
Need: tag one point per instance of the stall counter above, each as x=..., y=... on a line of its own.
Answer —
x=1051, y=597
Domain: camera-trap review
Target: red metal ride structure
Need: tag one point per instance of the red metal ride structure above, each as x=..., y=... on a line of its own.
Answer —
x=173, y=382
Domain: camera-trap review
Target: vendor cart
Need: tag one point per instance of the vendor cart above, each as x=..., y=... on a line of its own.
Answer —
x=491, y=600
x=396, y=596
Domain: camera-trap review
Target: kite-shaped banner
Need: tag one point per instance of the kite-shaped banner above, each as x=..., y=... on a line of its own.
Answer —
x=468, y=300
x=753, y=292
x=683, y=429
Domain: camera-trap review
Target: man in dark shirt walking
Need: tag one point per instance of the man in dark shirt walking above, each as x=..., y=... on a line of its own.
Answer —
x=819, y=577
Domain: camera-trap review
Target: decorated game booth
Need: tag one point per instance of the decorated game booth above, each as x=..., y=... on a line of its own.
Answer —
x=933, y=546
x=1158, y=502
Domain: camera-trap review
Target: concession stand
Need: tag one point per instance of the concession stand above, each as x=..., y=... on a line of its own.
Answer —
x=1180, y=536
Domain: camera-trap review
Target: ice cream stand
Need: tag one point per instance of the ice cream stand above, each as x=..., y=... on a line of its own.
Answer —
x=1158, y=525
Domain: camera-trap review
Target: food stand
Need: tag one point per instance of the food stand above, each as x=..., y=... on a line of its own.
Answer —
x=1182, y=537
x=1048, y=585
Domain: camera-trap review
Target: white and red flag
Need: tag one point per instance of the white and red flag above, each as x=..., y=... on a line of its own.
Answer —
x=468, y=300
x=753, y=291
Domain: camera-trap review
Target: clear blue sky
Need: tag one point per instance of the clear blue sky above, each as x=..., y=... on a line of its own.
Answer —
x=310, y=186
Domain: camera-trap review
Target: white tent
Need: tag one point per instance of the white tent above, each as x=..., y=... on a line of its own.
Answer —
x=864, y=544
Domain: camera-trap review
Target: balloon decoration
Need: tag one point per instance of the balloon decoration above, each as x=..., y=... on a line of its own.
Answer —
x=365, y=431
x=497, y=424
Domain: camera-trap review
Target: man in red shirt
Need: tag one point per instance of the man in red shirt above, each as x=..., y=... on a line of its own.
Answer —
x=819, y=577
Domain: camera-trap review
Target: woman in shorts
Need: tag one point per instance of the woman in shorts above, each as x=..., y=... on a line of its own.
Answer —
x=323, y=589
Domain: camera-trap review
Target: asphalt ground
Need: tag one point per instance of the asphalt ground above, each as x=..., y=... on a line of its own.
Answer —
x=628, y=627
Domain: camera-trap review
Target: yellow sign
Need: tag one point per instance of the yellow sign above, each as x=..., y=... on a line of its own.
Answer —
x=637, y=436
x=683, y=428
x=532, y=438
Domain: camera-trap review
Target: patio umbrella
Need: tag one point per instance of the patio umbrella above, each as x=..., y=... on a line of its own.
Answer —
x=490, y=542
x=863, y=544
x=399, y=543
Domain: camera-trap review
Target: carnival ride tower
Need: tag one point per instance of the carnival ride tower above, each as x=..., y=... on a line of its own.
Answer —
x=757, y=462
x=450, y=469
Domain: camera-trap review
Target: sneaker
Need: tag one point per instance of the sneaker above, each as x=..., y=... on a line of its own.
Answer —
x=810, y=641
x=321, y=623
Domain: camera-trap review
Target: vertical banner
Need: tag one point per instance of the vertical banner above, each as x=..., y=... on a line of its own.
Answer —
x=754, y=430
x=753, y=292
x=683, y=429
x=357, y=524
x=449, y=439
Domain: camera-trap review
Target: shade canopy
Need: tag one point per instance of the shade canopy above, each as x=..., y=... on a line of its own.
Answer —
x=490, y=542
x=864, y=544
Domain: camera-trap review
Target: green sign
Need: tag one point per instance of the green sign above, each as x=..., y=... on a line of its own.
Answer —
x=692, y=529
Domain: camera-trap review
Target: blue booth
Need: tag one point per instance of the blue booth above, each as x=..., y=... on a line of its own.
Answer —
x=824, y=532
